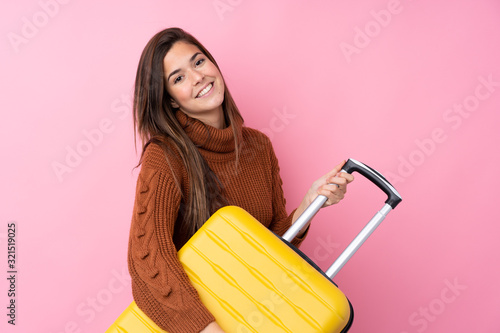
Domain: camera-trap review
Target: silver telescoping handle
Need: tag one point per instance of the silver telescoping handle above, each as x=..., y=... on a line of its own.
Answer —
x=358, y=241
x=394, y=198
x=308, y=214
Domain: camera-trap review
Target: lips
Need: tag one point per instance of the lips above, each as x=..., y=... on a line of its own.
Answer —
x=205, y=90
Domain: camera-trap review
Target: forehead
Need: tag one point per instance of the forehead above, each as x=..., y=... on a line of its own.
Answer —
x=179, y=55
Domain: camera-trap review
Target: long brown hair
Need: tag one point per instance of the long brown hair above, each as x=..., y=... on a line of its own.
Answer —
x=155, y=121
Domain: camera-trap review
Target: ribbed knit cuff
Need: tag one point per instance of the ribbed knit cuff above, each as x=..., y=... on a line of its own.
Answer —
x=194, y=320
x=190, y=320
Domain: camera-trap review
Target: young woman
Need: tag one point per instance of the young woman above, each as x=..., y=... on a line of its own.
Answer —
x=197, y=157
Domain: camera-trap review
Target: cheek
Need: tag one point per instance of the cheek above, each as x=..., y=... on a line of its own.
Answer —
x=213, y=71
x=222, y=87
x=180, y=94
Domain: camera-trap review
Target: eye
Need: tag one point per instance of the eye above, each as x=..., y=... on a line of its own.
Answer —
x=199, y=61
x=177, y=79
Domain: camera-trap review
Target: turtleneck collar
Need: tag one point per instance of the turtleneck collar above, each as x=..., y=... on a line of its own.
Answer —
x=205, y=136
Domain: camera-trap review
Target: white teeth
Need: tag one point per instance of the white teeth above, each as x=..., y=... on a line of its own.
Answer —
x=204, y=91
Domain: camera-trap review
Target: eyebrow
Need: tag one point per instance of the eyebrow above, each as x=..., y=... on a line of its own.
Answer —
x=178, y=70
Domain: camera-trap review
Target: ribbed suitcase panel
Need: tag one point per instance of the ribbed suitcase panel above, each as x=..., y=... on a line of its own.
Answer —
x=133, y=320
x=252, y=282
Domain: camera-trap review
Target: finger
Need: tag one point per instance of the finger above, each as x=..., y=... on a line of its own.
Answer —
x=335, y=170
x=331, y=200
x=333, y=197
x=347, y=176
x=340, y=181
x=332, y=187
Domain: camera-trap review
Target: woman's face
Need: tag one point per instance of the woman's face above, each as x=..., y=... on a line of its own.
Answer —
x=194, y=82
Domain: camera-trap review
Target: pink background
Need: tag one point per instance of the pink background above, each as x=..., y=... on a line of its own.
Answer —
x=401, y=85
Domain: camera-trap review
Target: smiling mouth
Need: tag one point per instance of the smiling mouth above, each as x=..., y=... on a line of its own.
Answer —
x=204, y=91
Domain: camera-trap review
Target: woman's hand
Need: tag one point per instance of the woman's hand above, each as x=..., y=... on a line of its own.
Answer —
x=213, y=327
x=333, y=185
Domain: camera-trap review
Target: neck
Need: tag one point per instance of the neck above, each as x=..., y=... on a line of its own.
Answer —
x=214, y=118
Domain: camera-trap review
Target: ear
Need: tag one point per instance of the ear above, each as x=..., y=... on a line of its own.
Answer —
x=174, y=104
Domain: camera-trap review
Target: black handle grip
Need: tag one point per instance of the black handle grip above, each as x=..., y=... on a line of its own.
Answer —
x=376, y=178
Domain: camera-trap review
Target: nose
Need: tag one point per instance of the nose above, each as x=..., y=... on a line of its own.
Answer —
x=197, y=76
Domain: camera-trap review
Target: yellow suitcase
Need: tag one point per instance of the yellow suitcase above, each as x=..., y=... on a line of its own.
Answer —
x=253, y=281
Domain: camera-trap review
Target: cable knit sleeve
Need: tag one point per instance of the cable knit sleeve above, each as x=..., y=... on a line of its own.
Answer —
x=160, y=286
x=281, y=220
